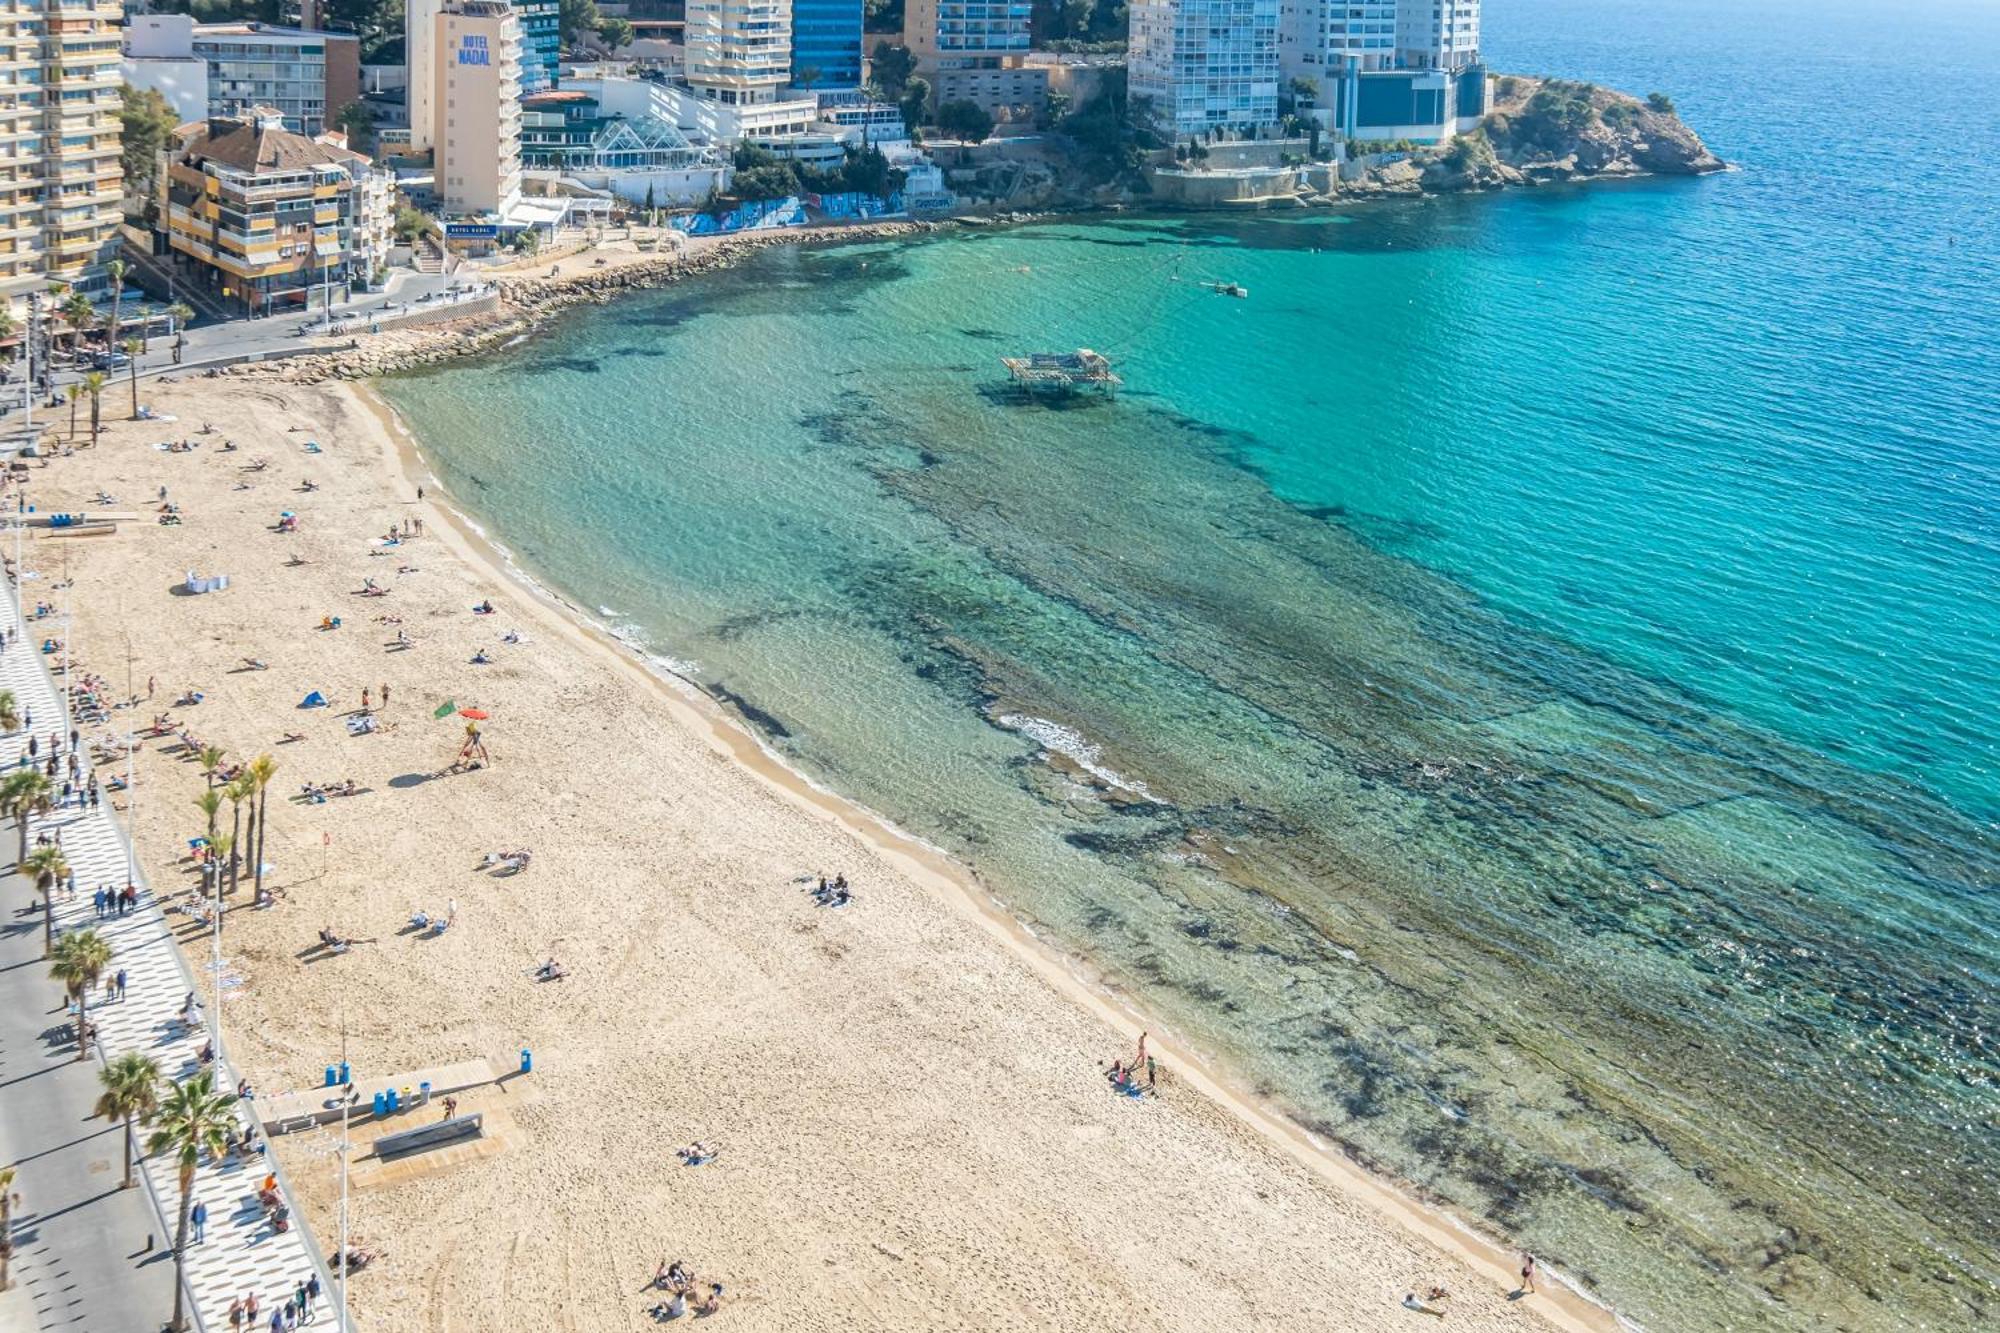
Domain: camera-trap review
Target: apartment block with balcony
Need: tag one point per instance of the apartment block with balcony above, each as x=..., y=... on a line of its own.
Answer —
x=739, y=52
x=1205, y=65
x=60, y=177
x=976, y=51
x=1388, y=69
x=307, y=77
x=268, y=220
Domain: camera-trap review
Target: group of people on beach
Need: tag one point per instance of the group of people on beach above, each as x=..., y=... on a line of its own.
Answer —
x=1125, y=1078
x=679, y=1282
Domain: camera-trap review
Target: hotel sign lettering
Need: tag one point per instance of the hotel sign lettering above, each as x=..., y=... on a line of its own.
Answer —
x=472, y=50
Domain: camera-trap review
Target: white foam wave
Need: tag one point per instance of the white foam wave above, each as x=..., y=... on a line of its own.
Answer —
x=1074, y=746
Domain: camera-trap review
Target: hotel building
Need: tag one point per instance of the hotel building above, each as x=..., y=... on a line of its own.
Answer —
x=60, y=177
x=476, y=111
x=1205, y=65
x=976, y=51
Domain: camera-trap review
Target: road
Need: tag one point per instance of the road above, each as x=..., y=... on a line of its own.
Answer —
x=216, y=340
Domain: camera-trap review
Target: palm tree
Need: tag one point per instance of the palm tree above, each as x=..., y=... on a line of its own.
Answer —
x=75, y=395
x=49, y=867
x=209, y=802
x=262, y=769
x=193, y=1119
x=10, y=711
x=80, y=315
x=78, y=962
x=9, y=1201
x=211, y=759
x=93, y=384
x=8, y=324
x=133, y=348
x=131, y=1094
x=221, y=851
x=179, y=313
x=238, y=792
x=115, y=271
x=25, y=793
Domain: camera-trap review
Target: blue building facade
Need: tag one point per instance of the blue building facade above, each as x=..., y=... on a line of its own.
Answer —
x=541, y=43
x=826, y=37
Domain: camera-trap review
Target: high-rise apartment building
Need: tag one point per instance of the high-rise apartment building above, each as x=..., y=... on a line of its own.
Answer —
x=60, y=178
x=476, y=112
x=307, y=77
x=420, y=66
x=826, y=43
x=1392, y=69
x=1205, y=65
x=976, y=51
x=739, y=52
x=541, y=43
x=1438, y=34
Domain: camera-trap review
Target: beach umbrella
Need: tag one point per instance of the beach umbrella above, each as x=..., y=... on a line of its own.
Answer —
x=476, y=714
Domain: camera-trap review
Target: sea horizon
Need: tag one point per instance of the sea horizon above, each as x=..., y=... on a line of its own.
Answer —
x=1512, y=687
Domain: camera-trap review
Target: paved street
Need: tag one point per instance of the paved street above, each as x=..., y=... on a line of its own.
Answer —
x=213, y=340
x=88, y=1256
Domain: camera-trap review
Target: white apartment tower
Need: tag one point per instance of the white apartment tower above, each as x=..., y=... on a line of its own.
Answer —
x=1323, y=39
x=1437, y=34
x=1205, y=64
x=1391, y=69
x=420, y=63
x=476, y=119
x=60, y=177
x=739, y=52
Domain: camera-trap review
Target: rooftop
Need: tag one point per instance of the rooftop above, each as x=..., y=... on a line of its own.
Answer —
x=257, y=144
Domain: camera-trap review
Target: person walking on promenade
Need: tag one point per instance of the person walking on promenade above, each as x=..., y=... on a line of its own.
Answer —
x=200, y=1219
x=121, y=985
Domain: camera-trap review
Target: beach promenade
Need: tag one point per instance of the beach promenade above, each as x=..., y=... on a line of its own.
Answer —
x=241, y=1253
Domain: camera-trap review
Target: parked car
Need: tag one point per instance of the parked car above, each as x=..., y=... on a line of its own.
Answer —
x=109, y=361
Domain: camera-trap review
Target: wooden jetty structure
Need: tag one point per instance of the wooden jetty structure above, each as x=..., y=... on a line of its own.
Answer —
x=1062, y=372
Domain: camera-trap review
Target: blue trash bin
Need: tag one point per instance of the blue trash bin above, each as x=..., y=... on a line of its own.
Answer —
x=329, y=1076
x=527, y=1061
x=381, y=1104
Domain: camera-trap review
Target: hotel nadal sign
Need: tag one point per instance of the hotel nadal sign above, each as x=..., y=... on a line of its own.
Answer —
x=472, y=50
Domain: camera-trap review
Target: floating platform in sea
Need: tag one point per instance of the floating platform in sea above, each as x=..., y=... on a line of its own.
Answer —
x=1062, y=372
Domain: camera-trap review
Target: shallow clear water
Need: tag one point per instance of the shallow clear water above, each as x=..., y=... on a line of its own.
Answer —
x=1520, y=684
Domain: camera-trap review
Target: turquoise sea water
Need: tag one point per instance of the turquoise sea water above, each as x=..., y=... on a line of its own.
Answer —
x=1521, y=686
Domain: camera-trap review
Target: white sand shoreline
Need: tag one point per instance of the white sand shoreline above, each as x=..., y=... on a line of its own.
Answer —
x=1563, y=1303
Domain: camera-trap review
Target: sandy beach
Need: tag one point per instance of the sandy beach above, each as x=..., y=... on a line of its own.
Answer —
x=906, y=1095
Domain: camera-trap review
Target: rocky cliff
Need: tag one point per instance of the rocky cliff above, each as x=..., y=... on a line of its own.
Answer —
x=1553, y=129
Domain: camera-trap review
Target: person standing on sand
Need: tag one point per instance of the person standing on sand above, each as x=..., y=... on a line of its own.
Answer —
x=364, y=698
x=1528, y=1274
x=385, y=696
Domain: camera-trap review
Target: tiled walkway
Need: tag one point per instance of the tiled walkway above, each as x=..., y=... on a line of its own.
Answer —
x=241, y=1253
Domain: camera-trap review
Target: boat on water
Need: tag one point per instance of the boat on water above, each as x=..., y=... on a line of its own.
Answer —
x=1236, y=289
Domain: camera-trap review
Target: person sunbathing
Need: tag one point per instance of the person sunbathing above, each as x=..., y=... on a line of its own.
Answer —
x=256, y=664
x=480, y=658
x=551, y=971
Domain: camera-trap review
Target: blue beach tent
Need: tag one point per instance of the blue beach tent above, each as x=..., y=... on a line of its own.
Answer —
x=313, y=700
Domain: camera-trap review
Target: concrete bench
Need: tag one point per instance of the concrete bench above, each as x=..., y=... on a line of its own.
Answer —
x=428, y=1136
